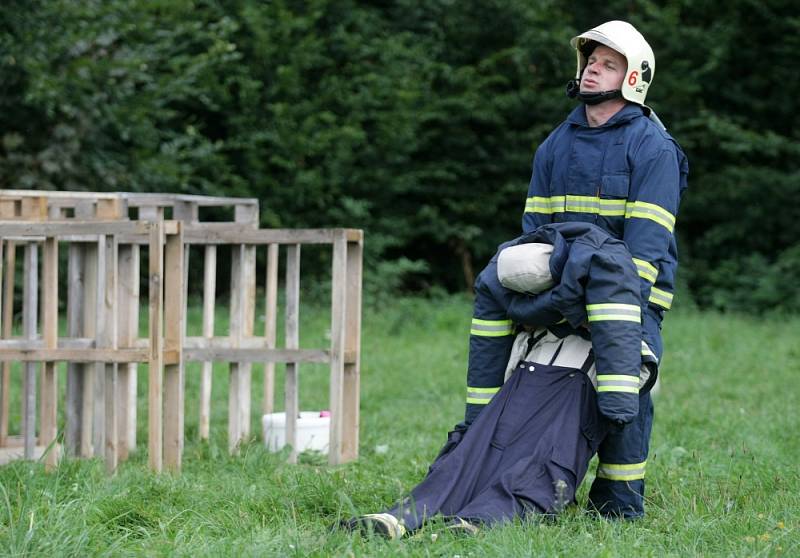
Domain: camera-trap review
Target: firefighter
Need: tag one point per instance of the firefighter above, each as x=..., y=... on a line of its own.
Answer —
x=610, y=163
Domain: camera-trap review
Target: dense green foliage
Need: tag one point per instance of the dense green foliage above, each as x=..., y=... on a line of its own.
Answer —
x=416, y=121
x=722, y=472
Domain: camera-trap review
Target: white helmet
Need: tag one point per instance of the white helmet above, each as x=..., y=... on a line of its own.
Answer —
x=625, y=39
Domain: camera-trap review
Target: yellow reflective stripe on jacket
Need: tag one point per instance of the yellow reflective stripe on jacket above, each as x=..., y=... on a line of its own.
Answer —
x=548, y=206
x=646, y=270
x=480, y=396
x=600, y=206
x=628, y=472
x=614, y=311
x=644, y=210
x=662, y=298
x=491, y=328
x=617, y=382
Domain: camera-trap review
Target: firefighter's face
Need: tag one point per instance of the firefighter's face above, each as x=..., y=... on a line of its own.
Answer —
x=605, y=70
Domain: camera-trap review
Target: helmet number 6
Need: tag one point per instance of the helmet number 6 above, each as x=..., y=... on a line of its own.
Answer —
x=632, y=78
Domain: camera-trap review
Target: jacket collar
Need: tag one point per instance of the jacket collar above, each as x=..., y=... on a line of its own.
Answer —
x=630, y=111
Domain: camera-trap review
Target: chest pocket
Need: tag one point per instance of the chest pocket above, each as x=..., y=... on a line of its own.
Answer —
x=615, y=186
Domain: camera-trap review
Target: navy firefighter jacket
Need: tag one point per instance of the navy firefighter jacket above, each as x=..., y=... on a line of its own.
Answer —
x=627, y=177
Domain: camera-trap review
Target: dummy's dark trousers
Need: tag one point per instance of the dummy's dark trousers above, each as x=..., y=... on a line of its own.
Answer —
x=527, y=452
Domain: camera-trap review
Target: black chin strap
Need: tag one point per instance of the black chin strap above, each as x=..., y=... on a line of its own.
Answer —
x=574, y=92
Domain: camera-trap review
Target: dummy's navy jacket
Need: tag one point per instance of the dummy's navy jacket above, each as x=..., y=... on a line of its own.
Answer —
x=596, y=295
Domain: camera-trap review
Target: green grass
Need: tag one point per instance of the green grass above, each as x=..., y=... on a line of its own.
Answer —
x=723, y=478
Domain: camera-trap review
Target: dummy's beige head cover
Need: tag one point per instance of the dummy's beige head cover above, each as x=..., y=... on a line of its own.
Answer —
x=525, y=267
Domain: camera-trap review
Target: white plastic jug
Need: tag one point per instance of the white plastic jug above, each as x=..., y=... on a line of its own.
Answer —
x=313, y=431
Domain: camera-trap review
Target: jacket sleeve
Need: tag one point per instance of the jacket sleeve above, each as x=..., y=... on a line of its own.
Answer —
x=658, y=179
x=537, y=205
x=613, y=308
x=600, y=286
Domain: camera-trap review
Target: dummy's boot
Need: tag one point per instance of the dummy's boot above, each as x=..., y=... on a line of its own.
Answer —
x=383, y=524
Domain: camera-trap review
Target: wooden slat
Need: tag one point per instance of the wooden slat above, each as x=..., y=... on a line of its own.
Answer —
x=351, y=388
x=89, y=371
x=108, y=339
x=150, y=213
x=50, y=334
x=246, y=213
x=56, y=194
x=85, y=308
x=98, y=374
x=74, y=404
x=92, y=228
x=30, y=302
x=133, y=368
x=8, y=207
x=186, y=212
x=128, y=318
x=242, y=311
x=237, y=369
x=320, y=356
x=3, y=387
x=168, y=200
x=6, y=319
x=219, y=342
x=20, y=344
x=194, y=233
x=173, y=338
x=100, y=355
x=110, y=208
x=248, y=314
x=133, y=199
x=77, y=436
x=209, y=299
x=225, y=233
x=338, y=330
x=291, y=397
x=155, y=398
x=34, y=208
x=270, y=327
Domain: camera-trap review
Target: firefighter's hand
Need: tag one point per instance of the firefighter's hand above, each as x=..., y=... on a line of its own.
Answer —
x=618, y=408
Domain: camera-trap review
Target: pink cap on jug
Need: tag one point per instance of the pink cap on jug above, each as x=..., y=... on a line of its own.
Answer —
x=324, y=413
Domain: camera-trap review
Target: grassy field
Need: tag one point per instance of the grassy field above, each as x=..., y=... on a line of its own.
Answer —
x=723, y=475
